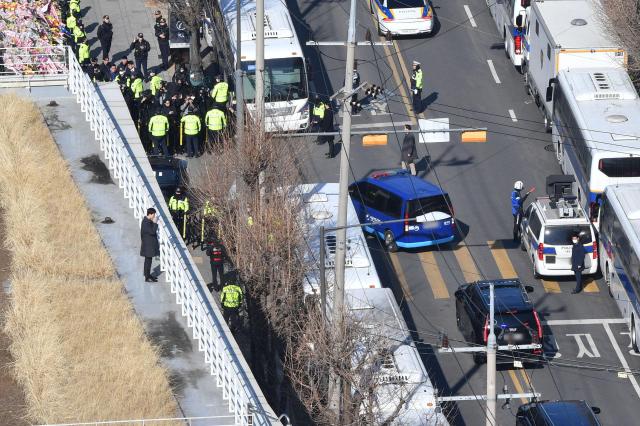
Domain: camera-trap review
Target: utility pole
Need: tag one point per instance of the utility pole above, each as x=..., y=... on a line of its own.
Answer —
x=260, y=64
x=238, y=80
x=491, y=363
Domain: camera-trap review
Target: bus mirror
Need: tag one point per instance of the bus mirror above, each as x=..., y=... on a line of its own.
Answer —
x=549, y=96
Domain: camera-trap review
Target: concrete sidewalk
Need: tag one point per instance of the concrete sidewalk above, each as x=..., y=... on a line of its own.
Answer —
x=194, y=388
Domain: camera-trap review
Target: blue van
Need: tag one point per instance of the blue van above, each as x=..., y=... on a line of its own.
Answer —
x=393, y=195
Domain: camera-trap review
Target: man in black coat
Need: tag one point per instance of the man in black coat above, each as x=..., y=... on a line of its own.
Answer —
x=162, y=34
x=141, y=48
x=150, y=246
x=105, y=35
x=326, y=125
x=577, y=261
x=409, y=152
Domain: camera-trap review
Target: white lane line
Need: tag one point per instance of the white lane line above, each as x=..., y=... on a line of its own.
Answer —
x=471, y=20
x=622, y=359
x=493, y=71
x=512, y=113
x=585, y=321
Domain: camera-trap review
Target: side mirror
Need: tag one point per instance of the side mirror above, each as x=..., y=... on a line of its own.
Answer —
x=529, y=289
x=596, y=410
x=549, y=94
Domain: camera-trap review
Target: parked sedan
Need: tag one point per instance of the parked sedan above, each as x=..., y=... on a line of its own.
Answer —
x=552, y=413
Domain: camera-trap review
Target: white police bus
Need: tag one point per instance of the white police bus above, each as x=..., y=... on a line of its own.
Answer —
x=620, y=251
x=596, y=129
x=286, y=85
x=510, y=19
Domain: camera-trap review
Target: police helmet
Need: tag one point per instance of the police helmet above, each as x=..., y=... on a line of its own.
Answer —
x=518, y=185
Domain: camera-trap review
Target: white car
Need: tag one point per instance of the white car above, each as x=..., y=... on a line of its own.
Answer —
x=402, y=17
x=546, y=230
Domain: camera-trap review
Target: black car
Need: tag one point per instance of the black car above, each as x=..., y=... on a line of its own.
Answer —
x=516, y=321
x=557, y=413
x=170, y=173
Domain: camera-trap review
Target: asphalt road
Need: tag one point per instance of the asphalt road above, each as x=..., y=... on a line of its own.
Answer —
x=586, y=354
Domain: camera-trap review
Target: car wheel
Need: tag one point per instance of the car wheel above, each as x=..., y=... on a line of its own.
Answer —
x=634, y=342
x=536, y=275
x=390, y=241
x=506, y=46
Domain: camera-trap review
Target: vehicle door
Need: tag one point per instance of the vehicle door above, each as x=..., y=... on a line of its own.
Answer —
x=534, y=227
x=557, y=242
x=356, y=192
x=434, y=218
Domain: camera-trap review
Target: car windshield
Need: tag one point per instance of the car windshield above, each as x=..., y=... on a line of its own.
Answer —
x=435, y=203
x=404, y=4
x=561, y=235
x=284, y=80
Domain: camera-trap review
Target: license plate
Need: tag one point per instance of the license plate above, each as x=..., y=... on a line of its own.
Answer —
x=550, y=259
x=512, y=338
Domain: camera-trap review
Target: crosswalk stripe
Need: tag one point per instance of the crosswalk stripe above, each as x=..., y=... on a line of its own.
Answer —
x=431, y=270
x=402, y=279
x=467, y=265
x=499, y=253
x=590, y=286
x=551, y=286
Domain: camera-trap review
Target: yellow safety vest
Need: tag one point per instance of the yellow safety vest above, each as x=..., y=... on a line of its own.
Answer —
x=417, y=76
x=83, y=52
x=78, y=34
x=191, y=124
x=74, y=6
x=220, y=92
x=215, y=119
x=137, y=88
x=155, y=84
x=71, y=22
x=318, y=111
x=231, y=296
x=158, y=125
x=177, y=204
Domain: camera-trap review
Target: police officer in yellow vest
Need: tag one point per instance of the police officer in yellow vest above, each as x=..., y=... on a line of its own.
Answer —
x=83, y=51
x=416, y=87
x=155, y=83
x=216, y=121
x=137, y=86
x=231, y=300
x=71, y=23
x=220, y=93
x=317, y=114
x=158, y=128
x=74, y=7
x=191, y=125
x=179, y=208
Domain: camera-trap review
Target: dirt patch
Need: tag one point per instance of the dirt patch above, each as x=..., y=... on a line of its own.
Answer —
x=12, y=403
x=100, y=171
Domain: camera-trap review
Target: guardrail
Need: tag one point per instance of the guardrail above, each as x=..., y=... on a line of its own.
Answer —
x=189, y=421
x=222, y=354
x=33, y=66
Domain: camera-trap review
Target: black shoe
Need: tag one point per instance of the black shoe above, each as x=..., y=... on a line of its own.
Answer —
x=154, y=279
x=149, y=280
x=574, y=291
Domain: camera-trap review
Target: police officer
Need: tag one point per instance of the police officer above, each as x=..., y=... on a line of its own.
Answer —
x=159, y=128
x=141, y=48
x=517, y=203
x=83, y=51
x=355, y=83
x=216, y=122
x=215, y=251
x=74, y=7
x=137, y=86
x=105, y=35
x=78, y=35
x=162, y=34
x=231, y=300
x=326, y=125
x=155, y=83
x=416, y=87
x=123, y=64
x=191, y=126
x=317, y=114
x=179, y=208
x=577, y=261
x=220, y=93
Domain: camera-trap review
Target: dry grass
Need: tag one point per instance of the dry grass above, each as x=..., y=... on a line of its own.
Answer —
x=80, y=351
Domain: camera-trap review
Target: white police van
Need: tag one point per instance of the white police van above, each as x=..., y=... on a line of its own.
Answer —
x=548, y=225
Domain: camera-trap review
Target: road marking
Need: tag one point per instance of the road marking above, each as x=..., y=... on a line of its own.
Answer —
x=622, y=359
x=470, y=16
x=395, y=261
x=592, y=352
x=499, y=253
x=551, y=286
x=527, y=380
x=391, y=124
x=516, y=383
x=467, y=265
x=493, y=71
x=590, y=286
x=431, y=270
x=588, y=321
x=512, y=114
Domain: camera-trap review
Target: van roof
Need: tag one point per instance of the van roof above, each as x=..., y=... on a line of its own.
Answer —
x=551, y=212
x=408, y=187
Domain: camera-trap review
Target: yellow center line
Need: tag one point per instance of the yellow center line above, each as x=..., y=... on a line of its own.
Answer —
x=467, y=265
x=551, y=286
x=499, y=253
x=516, y=383
x=590, y=285
x=434, y=277
x=402, y=279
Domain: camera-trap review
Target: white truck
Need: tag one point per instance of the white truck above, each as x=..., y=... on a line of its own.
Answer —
x=561, y=35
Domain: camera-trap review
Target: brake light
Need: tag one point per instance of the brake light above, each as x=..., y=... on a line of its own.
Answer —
x=387, y=19
x=595, y=250
x=539, y=337
x=517, y=44
x=540, y=251
x=406, y=221
x=486, y=329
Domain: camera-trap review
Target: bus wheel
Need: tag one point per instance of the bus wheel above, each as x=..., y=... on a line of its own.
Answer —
x=390, y=242
x=634, y=342
x=506, y=47
x=547, y=123
x=607, y=279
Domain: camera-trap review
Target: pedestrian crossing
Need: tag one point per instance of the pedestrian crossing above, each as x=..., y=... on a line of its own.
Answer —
x=444, y=270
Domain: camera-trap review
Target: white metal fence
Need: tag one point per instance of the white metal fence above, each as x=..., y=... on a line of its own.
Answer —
x=233, y=376
x=189, y=421
x=33, y=66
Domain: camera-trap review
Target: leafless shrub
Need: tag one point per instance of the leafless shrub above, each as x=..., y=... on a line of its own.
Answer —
x=623, y=25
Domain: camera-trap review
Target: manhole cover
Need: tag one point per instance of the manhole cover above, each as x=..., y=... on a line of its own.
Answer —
x=549, y=148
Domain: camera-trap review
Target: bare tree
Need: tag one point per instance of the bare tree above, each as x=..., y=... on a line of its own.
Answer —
x=624, y=25
x=191, y=13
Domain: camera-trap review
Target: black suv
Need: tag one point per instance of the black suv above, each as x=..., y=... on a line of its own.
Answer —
x=516, y=321
x=551, y=413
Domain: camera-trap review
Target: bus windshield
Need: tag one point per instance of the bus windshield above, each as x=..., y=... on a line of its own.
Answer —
x=285, y=80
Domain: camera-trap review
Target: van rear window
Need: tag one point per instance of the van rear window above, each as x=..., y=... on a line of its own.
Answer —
x=436, y=203
x=561, y=235
x=620, y=167
x=404, y=4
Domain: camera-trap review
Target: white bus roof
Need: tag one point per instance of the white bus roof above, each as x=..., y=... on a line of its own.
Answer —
x=608, y=108
x=628, y=197
x=280, y=40
x=575, y=24
x=402, y=372
x=321, y=209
